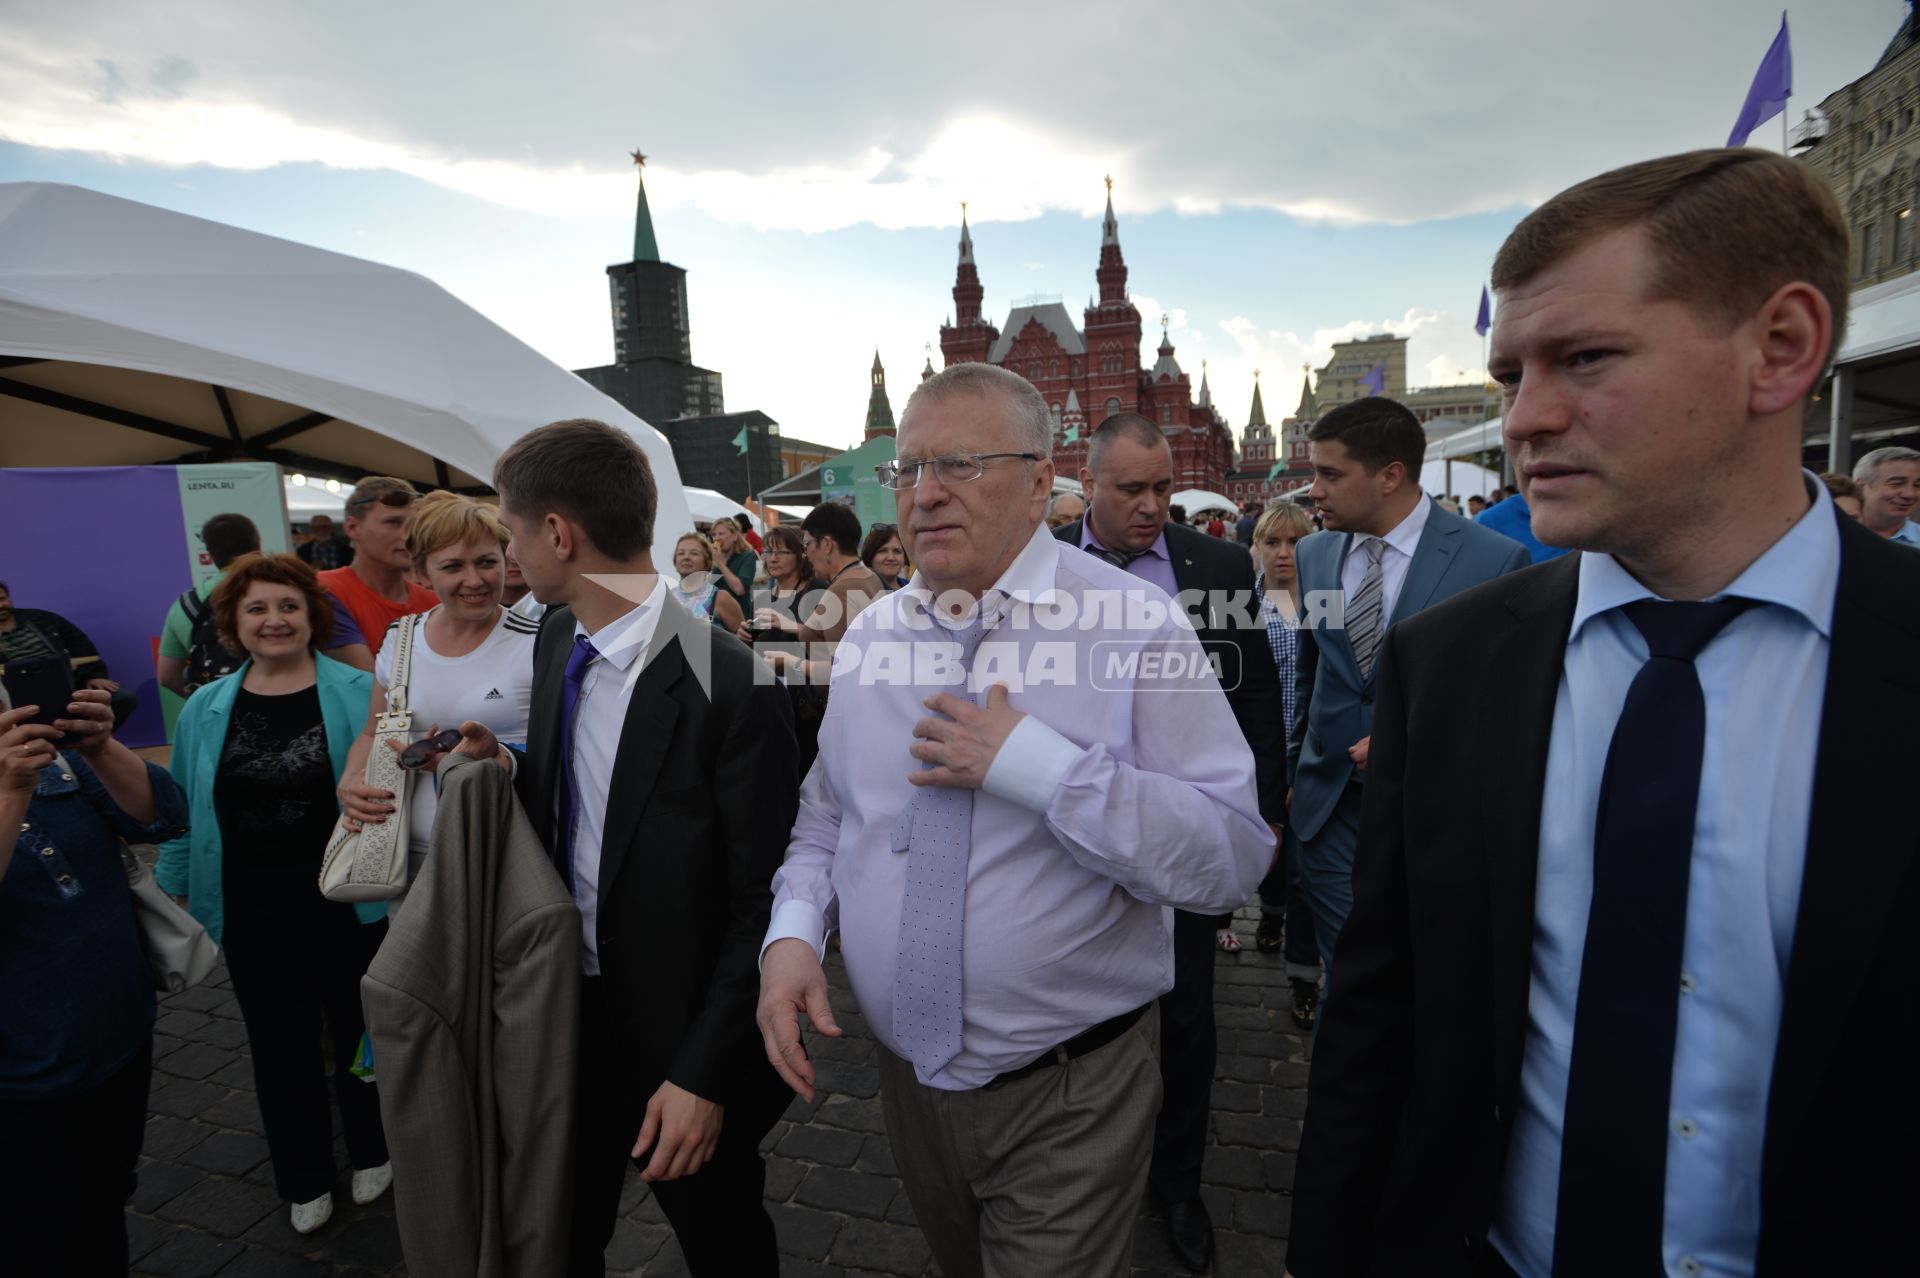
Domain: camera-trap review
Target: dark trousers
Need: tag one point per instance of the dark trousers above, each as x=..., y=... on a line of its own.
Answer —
x=296, y=958
x=1326, y=872
x=1187, y=1044
x=66, y=1172
x=1281, y=893
x=717, y=1213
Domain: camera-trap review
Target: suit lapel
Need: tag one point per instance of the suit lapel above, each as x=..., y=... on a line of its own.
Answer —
x=1185, y=577
x=1523, y=659
x=1333, y=641
x=1432, y=556
x=543, y=718
x=1854, y=866
x=645, y=738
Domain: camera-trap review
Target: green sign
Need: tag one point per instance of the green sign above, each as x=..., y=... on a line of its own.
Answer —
x=849, y=478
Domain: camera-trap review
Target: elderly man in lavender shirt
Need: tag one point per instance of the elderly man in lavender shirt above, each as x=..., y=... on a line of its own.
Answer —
x=1001, y=860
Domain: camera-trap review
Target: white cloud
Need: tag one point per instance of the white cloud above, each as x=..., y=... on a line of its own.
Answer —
x=773, y=115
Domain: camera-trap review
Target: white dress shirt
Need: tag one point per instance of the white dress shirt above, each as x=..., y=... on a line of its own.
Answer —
x=1764, y=680
x=604, y=694
x=1394, y=562
x=1115, y=797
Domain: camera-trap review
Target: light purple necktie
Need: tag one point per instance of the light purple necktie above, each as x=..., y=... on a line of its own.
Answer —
x=935, y=831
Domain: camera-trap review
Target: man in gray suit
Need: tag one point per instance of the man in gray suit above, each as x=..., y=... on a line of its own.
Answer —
x=1388, y=551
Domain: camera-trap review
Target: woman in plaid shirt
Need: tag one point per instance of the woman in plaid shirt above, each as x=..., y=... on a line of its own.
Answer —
x=1279, y=527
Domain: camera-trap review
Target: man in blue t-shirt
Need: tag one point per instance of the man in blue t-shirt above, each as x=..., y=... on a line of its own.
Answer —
x=1512, y=518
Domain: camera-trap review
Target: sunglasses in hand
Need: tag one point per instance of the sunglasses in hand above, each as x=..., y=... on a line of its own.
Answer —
x=421, y=752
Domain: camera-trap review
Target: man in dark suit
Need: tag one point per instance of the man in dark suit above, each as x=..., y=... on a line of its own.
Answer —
x=1388, y=551
x=1128, y=477
x=660, y=773
x=1628, y=987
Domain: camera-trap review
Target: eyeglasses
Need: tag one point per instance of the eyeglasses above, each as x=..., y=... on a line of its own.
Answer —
x=963, y=468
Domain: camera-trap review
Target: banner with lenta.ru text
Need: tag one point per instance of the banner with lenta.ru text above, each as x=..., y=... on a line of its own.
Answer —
x=252, y=489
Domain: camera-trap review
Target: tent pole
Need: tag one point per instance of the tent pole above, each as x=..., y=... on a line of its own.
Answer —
x=1840, y=426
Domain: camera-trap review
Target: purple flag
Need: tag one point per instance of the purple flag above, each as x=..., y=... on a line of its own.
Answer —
x=1772, y=86
x=1375, y=381
x=1485, y=321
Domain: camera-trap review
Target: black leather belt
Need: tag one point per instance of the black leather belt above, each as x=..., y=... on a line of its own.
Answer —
x=1090, y=1040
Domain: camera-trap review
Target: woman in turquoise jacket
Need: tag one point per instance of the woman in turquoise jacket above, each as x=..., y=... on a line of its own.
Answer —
x=259, y=754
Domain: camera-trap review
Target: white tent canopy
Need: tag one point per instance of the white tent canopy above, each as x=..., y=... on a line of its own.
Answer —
x=130, y=335
x=1196, y=500
x=1464, y=443
x=706, y=505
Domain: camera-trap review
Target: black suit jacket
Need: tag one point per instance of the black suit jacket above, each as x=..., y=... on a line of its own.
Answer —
x=702, y=803
x=1227, y=616
x=1416, y=1071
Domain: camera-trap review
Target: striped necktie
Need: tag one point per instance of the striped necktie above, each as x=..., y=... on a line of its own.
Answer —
x=1363, y=610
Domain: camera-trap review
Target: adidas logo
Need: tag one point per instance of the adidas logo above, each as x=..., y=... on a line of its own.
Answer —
x=493, y=694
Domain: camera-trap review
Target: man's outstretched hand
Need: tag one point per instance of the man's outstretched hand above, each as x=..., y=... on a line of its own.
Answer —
x=792, y=985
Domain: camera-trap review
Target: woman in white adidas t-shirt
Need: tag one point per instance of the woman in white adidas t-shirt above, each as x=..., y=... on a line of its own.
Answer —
x=472, y=658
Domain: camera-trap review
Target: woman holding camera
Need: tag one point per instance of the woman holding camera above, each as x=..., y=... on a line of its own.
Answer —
x=259, y=753
x=76, y=994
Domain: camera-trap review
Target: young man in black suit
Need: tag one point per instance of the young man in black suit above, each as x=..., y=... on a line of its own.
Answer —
x=1128, y=478
x=1628, y=986
x=660, y=772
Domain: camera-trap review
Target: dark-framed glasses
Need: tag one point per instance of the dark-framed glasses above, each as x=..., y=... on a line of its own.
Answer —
x=961, y=468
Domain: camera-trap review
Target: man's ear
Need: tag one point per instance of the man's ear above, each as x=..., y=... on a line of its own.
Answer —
x=561, y=534
x=1792, y=335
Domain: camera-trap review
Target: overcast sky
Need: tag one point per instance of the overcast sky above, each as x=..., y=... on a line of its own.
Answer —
x=1286, y=173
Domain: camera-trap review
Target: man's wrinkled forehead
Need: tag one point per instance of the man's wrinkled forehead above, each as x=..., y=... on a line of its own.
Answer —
x=961, y=421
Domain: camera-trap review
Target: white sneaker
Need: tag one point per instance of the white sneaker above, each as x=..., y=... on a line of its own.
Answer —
x=371, y=1183
x=308, y=1217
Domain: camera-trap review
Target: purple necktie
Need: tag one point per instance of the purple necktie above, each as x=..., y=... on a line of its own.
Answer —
x=935, y=831
x=578, y=660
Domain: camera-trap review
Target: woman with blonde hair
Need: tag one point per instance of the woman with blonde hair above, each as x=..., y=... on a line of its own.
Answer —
x=1284, y=919
x=472, y=658
x=699, y=588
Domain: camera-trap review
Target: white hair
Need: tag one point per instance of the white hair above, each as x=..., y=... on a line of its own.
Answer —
x=1867, y=469
x=1027, y=415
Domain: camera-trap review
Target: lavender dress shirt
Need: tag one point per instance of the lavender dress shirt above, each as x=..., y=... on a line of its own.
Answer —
x=1155, y=566
x=1126, y=789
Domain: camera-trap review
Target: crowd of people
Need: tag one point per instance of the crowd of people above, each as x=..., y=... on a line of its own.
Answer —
x=1593, y=942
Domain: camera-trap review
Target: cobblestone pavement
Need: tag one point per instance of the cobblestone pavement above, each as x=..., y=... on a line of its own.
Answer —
x=206, y=1205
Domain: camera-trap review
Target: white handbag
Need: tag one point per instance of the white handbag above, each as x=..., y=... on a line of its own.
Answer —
x=180, y=953
x=370, y=864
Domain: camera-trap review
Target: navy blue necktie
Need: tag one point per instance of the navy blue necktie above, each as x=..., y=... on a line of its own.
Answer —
x=1613, y=1149
x=577, y=662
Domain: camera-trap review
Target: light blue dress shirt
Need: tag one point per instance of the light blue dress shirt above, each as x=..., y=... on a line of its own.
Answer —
x=1764, y=679
x=1909, y=534
x=1118, y=795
